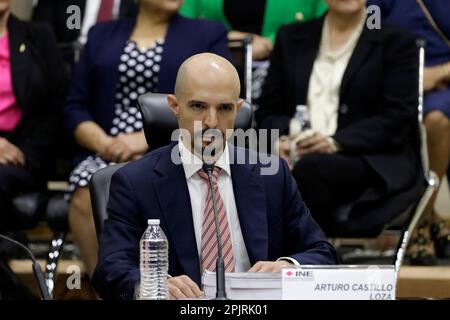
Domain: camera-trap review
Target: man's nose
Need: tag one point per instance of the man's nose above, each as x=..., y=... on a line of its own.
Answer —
x=211, y=118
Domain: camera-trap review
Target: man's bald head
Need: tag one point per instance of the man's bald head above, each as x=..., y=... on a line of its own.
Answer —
x=206, y=68
x=206, y=102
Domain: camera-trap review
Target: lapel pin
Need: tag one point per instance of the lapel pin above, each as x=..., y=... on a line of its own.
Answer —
x=22, y=48
x=299, y=16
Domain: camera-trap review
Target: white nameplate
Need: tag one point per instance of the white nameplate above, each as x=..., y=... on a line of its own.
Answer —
x=339, y=283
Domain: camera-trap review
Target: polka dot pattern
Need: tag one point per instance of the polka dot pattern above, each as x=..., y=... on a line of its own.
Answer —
x=138, y=74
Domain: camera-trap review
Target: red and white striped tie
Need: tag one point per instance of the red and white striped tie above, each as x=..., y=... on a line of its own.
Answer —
x=209, y=239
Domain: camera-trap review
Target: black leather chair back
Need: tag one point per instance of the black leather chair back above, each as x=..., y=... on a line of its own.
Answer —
x=99, y=190
x=160, y=122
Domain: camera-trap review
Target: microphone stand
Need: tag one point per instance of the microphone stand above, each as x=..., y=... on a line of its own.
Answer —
x=38, y=274
x=220, y=265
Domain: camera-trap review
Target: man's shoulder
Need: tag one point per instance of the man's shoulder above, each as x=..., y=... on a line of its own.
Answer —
x=266, y=165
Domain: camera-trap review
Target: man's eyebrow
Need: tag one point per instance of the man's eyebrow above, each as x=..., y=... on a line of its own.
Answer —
x=229, y=103
x=196, y=102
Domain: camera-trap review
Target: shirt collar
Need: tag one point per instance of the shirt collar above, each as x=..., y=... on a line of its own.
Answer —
x=192, y=163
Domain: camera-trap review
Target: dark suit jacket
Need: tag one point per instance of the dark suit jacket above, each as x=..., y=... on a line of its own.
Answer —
x=94, y=80
x=55, y=14
x=377, y=115
x=39, y=84
x=274, y=220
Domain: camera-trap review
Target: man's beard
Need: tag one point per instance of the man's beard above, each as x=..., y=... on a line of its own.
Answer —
x=214, y=149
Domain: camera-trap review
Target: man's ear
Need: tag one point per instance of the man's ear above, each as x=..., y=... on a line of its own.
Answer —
x=239, y=105
x=173, y=103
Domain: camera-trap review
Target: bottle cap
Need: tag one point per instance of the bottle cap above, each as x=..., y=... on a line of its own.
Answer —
x=301, y=108
x=153, y=221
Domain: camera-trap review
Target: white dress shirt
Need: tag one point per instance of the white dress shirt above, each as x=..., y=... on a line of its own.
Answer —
x=90, y=17
x=326, y=78
x=197, y=192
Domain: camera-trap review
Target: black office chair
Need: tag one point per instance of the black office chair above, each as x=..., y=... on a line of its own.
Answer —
x=99, y=190
x=159, y=123
x=46, y=206
x=404, y=220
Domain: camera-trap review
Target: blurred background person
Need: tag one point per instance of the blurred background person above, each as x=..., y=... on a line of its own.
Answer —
x=32, y=89
x=429, y=20
x=56, y=14
x=360, y=87
x=121, y=61
x=259, y=19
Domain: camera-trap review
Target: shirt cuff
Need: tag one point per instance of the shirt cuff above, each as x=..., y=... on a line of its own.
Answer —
x=289, y=259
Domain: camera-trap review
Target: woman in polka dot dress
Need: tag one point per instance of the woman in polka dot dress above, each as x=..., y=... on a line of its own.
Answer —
x=138, y=74
x=121, y=61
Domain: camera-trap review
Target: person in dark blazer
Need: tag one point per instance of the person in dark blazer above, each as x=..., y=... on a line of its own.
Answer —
x=429, y=21
x=32, y=89
x=361, y=89
x=122, y=60
x=265, y=225
x=56, y=14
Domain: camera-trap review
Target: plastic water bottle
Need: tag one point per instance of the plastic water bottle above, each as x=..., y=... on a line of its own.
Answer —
x=299, y=128
x=300, y=122
x=154, y=263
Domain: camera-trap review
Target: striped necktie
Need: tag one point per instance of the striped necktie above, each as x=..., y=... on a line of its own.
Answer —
x=209, y=247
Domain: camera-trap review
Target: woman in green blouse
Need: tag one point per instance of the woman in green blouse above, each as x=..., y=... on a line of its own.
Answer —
x=259, y=18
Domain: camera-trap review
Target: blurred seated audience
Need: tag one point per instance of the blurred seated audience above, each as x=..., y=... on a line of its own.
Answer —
x=360, y=86
x=32, y=89
x=429, y=20
x=55, y=14
x=257, y=18
x=121, y=61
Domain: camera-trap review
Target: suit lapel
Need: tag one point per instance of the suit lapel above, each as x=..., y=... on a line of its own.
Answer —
x=176, y=207
x=307, y=48
x=360, y=53
x=171, y=48
x=19, y=49
x=250, y=200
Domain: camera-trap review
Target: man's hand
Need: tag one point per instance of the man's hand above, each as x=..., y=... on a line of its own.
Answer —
x=10, y=154
x=318, y=144
x=183, y=287
x=270, y=266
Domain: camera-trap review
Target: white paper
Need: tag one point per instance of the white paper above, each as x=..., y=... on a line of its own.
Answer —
x=245, y=286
